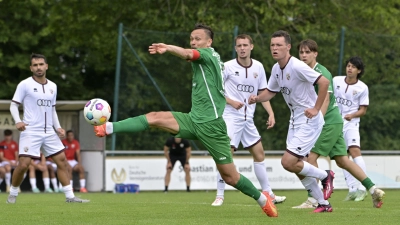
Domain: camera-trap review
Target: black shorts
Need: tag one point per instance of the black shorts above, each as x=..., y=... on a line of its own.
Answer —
x=181, y=159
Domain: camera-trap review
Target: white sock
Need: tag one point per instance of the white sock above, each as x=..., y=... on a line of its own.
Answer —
x=109, y=128
x=60, y=185
x=312, y=200
x=262, y=177
x=351, y=181
x=33, y=182
x=262, y=200
x=14, y=190
x=312, y=171
x=311, y=186
x=68, y=191
x=72, y=184
x=8, y=179
x=46, y=182
x=24, y=175
x=220, y=186
x=360, y=162
x=54, y=183
x=82, y=183
x=372, y=190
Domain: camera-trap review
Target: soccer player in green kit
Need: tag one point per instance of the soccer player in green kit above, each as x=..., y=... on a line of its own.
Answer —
x=204, y=122
x=331, y=142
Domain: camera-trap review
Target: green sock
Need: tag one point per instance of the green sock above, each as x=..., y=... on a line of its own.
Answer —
x=133, y=124
x=246, y=187
x=367, y=183
x=309, y=194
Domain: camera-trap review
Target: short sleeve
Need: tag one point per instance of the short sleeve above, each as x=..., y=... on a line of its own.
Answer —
x=262, y=82
x=19, y=94
x=273, y=84
x=364, y=98
x=306, y=74
x=186, y=143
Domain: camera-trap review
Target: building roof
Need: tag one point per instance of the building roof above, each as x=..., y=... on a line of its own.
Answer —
x=67, y=105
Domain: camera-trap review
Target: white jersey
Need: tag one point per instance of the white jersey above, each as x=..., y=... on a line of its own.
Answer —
x=296, y=82
x=349, y=97
x=38, y=101
x=240, y=82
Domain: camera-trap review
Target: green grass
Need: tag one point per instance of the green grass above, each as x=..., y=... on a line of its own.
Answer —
x=189, y=208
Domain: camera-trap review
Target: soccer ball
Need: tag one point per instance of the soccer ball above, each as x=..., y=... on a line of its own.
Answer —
x=97, y=111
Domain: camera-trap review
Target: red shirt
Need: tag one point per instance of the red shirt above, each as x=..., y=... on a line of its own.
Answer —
x=71, y=148
x=9, y=149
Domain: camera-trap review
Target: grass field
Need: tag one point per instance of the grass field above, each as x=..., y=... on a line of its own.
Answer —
x=190, y=208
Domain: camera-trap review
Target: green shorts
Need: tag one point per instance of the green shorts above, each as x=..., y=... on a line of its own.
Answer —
x=212, y=134
x=331, y=142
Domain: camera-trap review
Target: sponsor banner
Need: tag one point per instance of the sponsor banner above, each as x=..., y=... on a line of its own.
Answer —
x=383, y=171
x=149, y=173
x=6, y=121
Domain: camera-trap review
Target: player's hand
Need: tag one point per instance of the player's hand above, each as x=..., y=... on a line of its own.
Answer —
x=236, y=105
x=253, y=99
x=158, y=48
x=271, y=122
x=21, y=126
x=61, y=132
x=348, y=117
x=310, y=113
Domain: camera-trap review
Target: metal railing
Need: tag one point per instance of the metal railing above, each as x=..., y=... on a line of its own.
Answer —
x=240, y=152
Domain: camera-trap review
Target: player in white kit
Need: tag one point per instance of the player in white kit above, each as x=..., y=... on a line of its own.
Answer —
x=352, y=99
x=296, y=80
x=243, y=77
x=38, y=96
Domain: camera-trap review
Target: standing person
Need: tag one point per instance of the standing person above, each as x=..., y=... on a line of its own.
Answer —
x=295, y=80
x=331, y=142
x=73, y=154
x=204, y=122
x=352, y=99
x=8, y=156
x=38, y=96
x=177, y=149
x=244, y=76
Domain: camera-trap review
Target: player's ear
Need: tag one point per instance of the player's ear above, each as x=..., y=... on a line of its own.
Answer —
x=289, y=46
x=209, y=42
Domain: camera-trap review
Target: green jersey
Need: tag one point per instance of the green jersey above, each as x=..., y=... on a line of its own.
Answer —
x=208, y=100
x=332, y=115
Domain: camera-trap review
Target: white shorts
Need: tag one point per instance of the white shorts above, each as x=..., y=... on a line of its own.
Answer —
x=30, y=144
x=301, y=140
x=4, y=163
x=72, y=163
x=36, y=161
x=54, y=166
x=351, y=134
x=240, y=130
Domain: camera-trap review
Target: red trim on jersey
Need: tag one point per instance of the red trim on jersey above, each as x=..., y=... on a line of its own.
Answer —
x=316, y=81
x=196, y=55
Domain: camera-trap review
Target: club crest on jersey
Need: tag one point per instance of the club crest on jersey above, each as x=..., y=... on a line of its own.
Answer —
x=255, y=75
x=236, y=73
x=34, y=90
x=288, y=76
x=26, y=149
x=355, y=93
x=51, y=91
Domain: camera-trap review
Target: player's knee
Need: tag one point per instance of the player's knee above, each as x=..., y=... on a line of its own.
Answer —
x=287, y=165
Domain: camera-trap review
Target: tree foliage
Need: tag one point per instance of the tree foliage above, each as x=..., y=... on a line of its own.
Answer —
x=80, y=40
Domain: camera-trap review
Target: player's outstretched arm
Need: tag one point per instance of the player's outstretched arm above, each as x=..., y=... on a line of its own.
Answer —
x=264, y=96
x=160, y=48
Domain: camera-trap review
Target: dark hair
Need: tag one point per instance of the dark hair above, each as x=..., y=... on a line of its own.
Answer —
x=69, y=131
x=38, y=56
x=311, y=44
x=357, y=62
x=244, y=36
x=206, y=29
x=7, y=132
x=282, y=33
